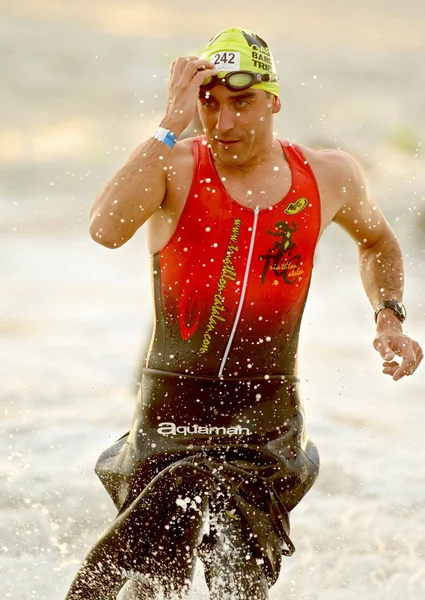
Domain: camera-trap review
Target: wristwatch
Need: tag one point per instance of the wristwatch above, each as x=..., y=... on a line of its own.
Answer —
x=397, y=307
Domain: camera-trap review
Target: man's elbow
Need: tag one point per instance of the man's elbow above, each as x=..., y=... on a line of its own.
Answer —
x=105, y=237
x=380, y=238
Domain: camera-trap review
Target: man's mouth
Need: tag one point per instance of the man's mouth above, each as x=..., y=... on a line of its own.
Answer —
x=226, y=142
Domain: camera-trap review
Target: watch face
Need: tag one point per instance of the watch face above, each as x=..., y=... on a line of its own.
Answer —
x=397, y=307
x=401, y=310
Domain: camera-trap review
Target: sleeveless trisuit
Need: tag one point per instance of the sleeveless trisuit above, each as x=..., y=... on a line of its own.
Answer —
x=220, y=385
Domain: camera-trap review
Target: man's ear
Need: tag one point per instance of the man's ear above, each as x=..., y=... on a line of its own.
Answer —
x=277, y=104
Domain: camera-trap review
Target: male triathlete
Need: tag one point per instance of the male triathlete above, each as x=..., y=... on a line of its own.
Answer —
x=217, y=455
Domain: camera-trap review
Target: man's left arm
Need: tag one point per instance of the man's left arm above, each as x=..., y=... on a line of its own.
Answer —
x=381, y=269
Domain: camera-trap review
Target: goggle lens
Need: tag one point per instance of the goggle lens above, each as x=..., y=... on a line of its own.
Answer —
x=240, y=80
x=237, y=80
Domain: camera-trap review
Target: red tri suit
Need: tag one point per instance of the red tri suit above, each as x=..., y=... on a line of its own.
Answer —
x=220, y=379
x=231, y=284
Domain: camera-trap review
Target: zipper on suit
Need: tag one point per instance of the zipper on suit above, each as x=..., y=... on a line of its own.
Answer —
x=242, y=295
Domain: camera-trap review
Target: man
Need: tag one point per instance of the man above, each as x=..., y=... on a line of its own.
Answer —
x=218, y=443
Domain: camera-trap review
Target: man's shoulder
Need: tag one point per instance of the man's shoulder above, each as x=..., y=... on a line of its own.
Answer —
x=333, y=160
x=334, y=169
x=339, y=178
x=183, y=150
x=179, y=167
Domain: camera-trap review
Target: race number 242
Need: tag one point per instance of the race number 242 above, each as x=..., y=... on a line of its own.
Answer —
x=226, y=61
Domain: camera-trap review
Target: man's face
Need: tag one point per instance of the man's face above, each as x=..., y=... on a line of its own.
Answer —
x=238, y=125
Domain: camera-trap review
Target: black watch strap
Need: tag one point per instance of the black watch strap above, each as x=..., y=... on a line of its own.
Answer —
x=397, y=307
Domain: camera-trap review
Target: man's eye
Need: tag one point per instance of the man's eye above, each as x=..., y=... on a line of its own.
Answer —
x=206, y=103
x=241, y=103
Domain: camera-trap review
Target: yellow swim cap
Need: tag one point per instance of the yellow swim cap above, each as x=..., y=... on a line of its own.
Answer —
x=242, y=50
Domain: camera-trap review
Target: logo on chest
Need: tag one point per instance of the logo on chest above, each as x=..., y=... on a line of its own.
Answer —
x=296, y=207
x=281, y=260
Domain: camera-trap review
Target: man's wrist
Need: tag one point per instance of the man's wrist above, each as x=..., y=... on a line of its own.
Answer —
x=166, y=136
x=387, y=319
x=397, y=308
x=173, y=125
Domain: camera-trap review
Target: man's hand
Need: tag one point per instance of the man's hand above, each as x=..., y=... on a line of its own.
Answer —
x=186, y=76
x=391, y=342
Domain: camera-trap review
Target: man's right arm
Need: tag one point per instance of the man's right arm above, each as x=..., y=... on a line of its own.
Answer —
x=139, y=187
x=131, y=196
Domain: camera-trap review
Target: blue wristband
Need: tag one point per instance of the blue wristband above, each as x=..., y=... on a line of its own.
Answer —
x=166, y=136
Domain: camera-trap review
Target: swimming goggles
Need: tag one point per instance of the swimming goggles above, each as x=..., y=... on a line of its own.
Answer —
x=237, y=80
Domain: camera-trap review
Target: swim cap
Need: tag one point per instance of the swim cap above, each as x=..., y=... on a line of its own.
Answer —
x=242, y=50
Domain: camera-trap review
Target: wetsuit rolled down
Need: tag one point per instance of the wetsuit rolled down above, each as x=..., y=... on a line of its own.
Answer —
x=219, y=421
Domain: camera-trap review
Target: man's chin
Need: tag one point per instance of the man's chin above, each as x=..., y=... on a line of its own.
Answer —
x=228, y=154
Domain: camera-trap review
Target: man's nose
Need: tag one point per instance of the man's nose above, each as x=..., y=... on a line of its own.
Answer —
x=226, y=119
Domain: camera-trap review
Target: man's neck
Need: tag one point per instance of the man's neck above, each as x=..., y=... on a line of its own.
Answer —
x=267, y=156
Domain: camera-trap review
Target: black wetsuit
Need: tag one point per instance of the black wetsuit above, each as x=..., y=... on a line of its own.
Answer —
x=219, y=422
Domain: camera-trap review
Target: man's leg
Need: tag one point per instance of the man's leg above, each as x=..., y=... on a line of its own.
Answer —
x=231, y=572
x=140, y=590
x=117, y=557
x=170, y=567
x=167, y=575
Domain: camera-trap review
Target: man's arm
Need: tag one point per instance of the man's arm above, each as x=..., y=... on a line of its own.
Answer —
x=138, y=189
x=381, y=267
x=133, y=194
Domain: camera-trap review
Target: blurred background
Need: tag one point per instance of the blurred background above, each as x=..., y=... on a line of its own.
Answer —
x=81, y=84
